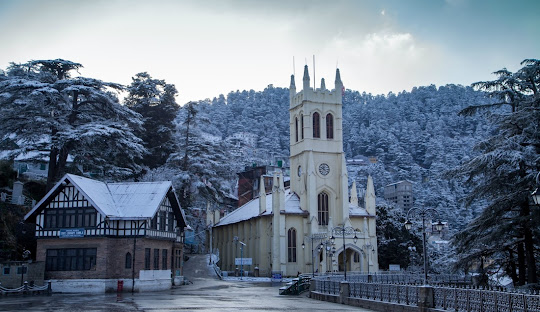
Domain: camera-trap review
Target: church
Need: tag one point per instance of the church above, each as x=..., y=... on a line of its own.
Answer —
x=312, y=225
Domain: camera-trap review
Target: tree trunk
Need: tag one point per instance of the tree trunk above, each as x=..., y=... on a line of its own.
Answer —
x=512, y=269
x=521, y=264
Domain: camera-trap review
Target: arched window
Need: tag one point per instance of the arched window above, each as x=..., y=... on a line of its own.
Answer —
x=291, y=245
x=128, y=260
x=322, y=205
x=302, y=125
x=316, y=125
x=329, y=126
x=296, y=129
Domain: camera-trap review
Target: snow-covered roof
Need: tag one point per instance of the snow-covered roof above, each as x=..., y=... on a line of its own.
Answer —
x=117, y=201
x=358, y=211
x=251, y=209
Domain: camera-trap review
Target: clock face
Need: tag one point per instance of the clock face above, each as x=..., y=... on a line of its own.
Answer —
x=299, y=170
x=324, y=169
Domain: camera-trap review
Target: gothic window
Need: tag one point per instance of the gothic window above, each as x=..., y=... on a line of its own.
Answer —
x=329, y=126
x=316, y=125
x=296, y=129
x=356, y=258
x=302, y=125
x=291, y=245
x=128, y=261
x=322, y=205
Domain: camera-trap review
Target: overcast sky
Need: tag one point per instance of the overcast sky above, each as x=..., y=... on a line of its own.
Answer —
x=207, y=48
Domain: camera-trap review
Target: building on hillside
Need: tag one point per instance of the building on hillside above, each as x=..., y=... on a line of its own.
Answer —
x=248, y=181
x=243, y=138
x=92, y=235
x=400, y=193
x=280, y=231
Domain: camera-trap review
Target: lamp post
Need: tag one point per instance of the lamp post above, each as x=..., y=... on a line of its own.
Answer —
x=26, y=254
x=313, y=237
x=342, y=231
x=423, y=213
x=139, y=227
x=367, y=248
x=327, y=247
x=242, y=244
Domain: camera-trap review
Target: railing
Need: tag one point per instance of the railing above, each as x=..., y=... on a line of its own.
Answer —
x=481, y=300
x=443, y=298
x=296, y=286
x=26, y=289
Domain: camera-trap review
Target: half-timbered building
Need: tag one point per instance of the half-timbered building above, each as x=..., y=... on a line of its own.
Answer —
x=97, y=237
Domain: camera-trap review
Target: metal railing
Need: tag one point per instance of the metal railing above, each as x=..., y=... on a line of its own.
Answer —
x=481, y=300
x=444, y=298
x=26, y=289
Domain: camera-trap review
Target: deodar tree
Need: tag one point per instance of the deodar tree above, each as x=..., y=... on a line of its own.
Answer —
x=44, y=108
x=507, y=230
x=155, y=100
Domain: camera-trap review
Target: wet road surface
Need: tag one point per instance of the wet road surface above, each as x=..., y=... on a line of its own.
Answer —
x=204, y=293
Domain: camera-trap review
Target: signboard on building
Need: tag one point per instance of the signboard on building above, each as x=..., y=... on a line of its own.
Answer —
x=71, y=233
x=243, y=261
x=394, y=267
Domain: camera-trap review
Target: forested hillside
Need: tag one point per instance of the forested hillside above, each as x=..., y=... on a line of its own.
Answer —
x=414, y=135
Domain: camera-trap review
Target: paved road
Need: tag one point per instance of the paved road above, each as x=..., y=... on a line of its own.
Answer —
x=205, y=293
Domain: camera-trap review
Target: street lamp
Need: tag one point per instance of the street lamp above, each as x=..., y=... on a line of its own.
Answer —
x=313, y=237
x=342, y=231
x=423, y=213
x=26, y=254
x=367, y=248
x=242, y=244
x=327, y=246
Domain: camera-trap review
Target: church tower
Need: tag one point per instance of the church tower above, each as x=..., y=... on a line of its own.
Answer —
x=318, y=170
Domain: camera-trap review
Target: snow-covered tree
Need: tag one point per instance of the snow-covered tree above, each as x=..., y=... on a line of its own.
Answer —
x=155, y=100
x=504, y=174
x=394, y=240
x=44, y=108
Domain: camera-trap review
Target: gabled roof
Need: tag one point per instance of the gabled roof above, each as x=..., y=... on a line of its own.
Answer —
x=292, y=206
x=117, y=201
x=251, y=209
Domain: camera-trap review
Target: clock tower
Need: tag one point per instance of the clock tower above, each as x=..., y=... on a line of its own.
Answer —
x=317, y=160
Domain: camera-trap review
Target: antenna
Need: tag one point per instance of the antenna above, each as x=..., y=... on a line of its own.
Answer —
x=293, y=67
x=314, y=79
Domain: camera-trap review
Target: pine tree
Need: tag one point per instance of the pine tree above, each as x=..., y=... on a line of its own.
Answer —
x=45, y=109
x=504, y=175
x=155, y=100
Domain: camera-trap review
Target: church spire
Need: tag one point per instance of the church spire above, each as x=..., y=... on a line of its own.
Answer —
x=306, y=78
x=292, y=86
x=338, y=78
x=323, y=85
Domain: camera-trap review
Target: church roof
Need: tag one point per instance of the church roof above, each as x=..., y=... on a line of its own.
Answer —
x=251, y=209
x=355, y=211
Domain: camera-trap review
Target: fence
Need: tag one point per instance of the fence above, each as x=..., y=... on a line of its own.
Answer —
x=379, y=296
x=27, y=289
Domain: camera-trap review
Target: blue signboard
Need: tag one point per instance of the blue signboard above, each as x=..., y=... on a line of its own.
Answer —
x=71, y=233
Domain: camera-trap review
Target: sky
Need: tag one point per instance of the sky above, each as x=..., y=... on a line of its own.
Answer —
x=208, y=48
